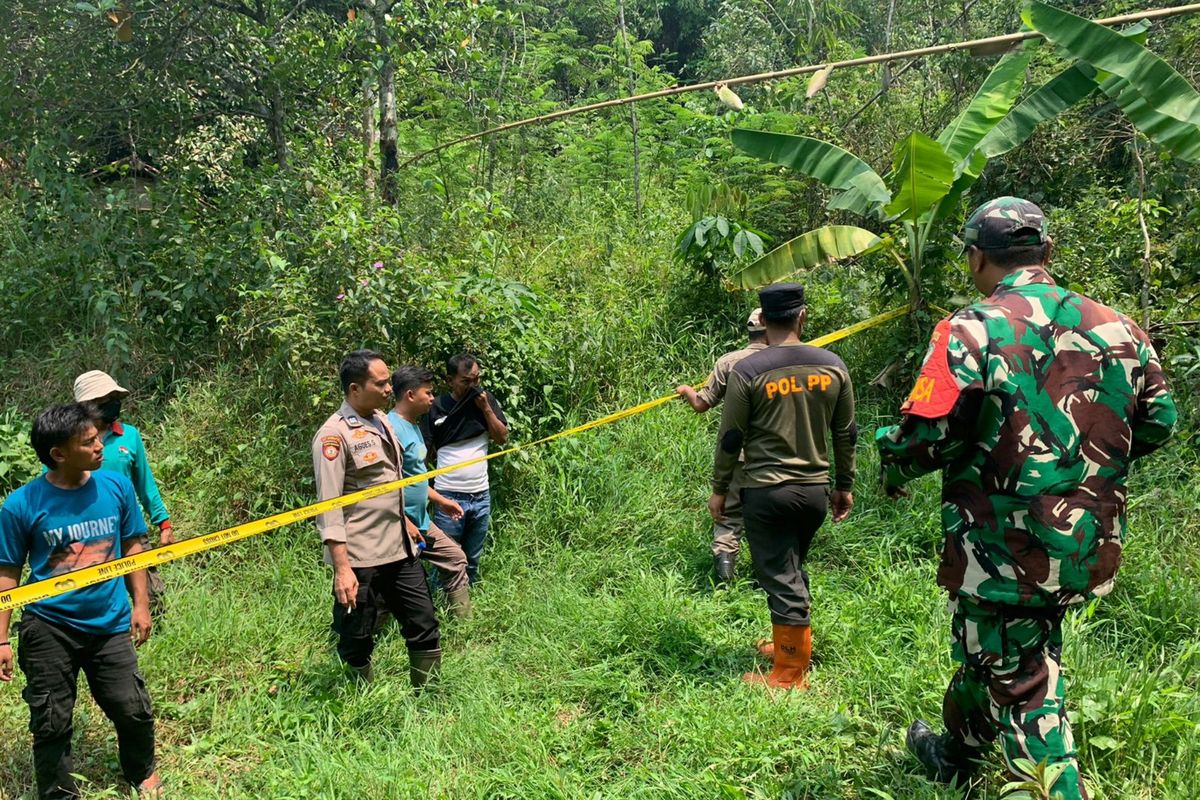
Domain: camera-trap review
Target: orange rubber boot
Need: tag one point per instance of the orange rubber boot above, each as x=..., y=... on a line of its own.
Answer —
x=765, y=648
x=793, y=651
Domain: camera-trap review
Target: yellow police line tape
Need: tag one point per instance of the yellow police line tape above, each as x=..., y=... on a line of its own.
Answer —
x=52, y=587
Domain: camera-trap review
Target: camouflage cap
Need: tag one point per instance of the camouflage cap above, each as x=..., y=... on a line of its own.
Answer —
x=1005, y=222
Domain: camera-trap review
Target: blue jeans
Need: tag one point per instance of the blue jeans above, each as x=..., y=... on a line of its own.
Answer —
x=471, y=530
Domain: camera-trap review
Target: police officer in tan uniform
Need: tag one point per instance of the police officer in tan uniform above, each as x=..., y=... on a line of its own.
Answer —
x=727, y=531
x=371, y=545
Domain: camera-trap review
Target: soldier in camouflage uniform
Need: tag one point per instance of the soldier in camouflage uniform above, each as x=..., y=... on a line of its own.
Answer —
x=727, y=532
x=1032, y=403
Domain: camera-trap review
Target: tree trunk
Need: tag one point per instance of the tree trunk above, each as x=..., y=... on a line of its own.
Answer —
x=1147, y=262
x=389, y=162
x=370, y=134
x=278, y=126
x=633, y=120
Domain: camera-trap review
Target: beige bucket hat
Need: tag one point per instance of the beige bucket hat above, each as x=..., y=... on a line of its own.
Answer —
x=96, y=384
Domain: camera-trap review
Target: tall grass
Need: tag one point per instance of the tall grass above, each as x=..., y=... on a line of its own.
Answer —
x=601, y=663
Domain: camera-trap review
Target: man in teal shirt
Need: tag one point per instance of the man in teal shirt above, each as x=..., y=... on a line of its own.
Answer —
x=125, y=453
x=413, y=389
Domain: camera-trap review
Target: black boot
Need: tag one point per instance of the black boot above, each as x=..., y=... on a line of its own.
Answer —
x=945, y=758
x=724, y=564
x=423, y=666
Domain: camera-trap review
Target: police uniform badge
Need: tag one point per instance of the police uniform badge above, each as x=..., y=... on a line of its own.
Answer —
x=331, y=447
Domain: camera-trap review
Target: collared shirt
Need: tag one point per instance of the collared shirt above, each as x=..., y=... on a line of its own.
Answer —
x=351, y=453
x=713, y=390
x=1032, y=403
x=124, y=452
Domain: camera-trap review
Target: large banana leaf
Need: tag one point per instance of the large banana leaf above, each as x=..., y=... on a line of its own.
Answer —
x=925, y=174
x=821, y=246
x=1165, y=90
x=1182, y=139
x=1052, y=98
x=971, y=168
x=828, y=163
x=989, y=106
x=862, y=197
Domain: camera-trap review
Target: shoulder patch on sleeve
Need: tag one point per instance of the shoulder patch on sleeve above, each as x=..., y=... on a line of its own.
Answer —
x=331, y=447
x=936, y=390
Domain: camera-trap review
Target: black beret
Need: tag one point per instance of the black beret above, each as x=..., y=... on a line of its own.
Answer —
x=780, y=299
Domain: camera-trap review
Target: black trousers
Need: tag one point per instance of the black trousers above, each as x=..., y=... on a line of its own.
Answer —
x=51, y=657
x=400, y=587
x=781, y=521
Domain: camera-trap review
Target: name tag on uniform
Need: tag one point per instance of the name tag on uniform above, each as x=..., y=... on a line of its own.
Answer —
x=795, y=384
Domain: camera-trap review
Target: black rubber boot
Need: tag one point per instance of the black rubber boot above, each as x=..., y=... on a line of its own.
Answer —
x=724, y=565
x=423, y=666
x=459, y=602
x=361, y=675
x=945, y=758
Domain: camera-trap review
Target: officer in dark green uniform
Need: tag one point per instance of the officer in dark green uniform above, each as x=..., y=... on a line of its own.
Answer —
x=1032, y=403
x=780, y=406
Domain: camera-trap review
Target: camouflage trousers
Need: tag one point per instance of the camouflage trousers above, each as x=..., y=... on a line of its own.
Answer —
x=1010, y=686
x=727, y=534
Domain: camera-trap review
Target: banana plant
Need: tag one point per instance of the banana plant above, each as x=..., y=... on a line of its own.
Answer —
x=929, y=176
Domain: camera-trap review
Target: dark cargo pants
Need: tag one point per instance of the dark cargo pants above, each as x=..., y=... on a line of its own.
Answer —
x=781, y=521
x=398, y=587
x=51, y=657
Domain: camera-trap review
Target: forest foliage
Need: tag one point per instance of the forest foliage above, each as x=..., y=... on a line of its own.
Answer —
x=213, y=201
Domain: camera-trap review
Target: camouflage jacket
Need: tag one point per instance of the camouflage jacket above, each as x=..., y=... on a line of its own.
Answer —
x=1032, y=403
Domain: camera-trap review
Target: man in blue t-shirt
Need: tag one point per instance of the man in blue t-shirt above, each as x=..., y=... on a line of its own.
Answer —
x=76, y=516
x=413, y=389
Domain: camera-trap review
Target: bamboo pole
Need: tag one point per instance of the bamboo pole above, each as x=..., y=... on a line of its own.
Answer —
x=993, y=43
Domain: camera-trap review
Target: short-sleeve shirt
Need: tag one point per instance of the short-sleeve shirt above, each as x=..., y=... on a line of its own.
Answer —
x=412, y=443
x=460, y=434
x=125, y=454
x=60, y=530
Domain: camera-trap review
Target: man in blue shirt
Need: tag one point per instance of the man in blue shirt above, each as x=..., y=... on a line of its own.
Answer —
x=125, y=453
x=413, y=389
x=75, y=516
